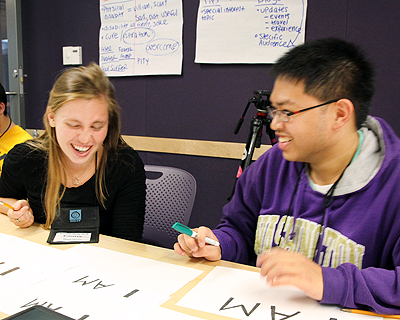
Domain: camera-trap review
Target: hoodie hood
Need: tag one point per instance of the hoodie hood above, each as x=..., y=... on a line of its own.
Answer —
x=377, y=151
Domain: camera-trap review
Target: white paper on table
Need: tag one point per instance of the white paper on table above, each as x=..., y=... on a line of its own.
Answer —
x=109, y=285
x=242, y=294
x=4, y=238
x=155, y=276
x=85, y=306
x=24, y=263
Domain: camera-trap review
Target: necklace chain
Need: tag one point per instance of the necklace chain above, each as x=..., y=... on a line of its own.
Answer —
x=75, y=180
x=9, y=125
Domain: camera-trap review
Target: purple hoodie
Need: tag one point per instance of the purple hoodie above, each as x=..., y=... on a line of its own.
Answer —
x=359, y=247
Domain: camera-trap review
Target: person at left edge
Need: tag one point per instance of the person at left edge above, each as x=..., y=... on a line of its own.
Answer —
x=80, y=160
x=10, y=133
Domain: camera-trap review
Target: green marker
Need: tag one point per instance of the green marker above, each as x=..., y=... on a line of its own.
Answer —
x=186, y=230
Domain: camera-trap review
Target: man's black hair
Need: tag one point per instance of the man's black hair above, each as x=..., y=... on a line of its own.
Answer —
x=3, y=98
x=330, y=69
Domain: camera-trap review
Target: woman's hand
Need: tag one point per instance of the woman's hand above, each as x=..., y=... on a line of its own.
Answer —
x=22, y=215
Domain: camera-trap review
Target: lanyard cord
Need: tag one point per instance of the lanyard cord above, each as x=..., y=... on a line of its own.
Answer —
x=327, y=202
x=95, y=180
x=291, y=203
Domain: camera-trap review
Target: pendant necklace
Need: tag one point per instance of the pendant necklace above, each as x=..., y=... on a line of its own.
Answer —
x=9, y=125
x=75, y=180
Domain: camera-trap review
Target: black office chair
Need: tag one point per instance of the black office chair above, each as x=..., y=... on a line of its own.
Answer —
x=170, y=197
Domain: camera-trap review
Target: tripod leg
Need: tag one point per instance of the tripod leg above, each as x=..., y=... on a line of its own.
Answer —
x=256, y=127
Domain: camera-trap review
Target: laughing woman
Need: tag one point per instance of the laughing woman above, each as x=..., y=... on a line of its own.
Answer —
x=80, y=160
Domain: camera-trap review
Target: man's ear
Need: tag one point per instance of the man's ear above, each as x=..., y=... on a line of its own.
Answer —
x=2, y=107
x=344, y=109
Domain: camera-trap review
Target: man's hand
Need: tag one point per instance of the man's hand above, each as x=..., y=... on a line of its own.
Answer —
x=198, y=248
x=281, y=267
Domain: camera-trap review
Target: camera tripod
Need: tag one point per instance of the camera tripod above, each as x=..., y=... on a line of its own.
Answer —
x=257, y=123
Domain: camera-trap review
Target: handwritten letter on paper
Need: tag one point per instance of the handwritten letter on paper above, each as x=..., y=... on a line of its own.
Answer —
x=141, y=37
x=248, y=31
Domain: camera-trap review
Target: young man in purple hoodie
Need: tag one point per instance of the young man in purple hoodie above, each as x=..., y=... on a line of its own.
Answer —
x=320, y=210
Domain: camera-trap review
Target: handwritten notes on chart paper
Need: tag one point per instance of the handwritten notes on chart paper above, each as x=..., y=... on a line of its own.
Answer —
x=248, y=31
x=242, y=294
x=141, y=37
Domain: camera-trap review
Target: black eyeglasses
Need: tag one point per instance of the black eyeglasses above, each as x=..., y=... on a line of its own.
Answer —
x=284, y=115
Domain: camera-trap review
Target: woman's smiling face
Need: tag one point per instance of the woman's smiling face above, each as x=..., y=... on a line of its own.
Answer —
x=81, y=126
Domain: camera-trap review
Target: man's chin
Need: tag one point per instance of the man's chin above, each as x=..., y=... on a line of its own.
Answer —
x=291, y=157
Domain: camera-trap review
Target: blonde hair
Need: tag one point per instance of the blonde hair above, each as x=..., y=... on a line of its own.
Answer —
x=76, y=83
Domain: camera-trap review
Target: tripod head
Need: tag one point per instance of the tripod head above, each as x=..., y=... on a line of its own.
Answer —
x=260, y=103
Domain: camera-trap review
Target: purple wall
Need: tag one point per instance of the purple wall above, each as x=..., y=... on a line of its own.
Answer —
x=205, y=102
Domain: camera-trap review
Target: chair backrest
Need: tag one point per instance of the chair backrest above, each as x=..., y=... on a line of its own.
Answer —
x=170, y=196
